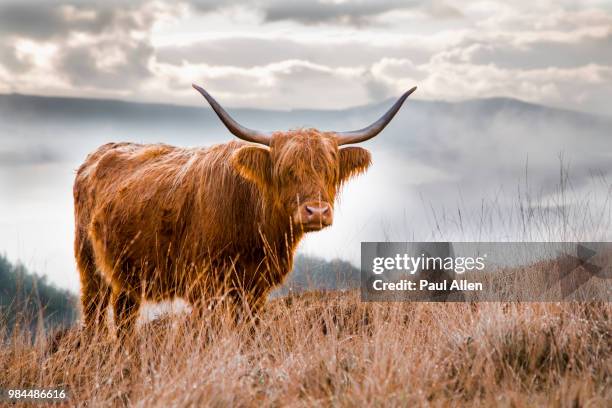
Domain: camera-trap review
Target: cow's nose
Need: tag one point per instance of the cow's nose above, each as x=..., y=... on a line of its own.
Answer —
x=315, y=215
x=319, y=211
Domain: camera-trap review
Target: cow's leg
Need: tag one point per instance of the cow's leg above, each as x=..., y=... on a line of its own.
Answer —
x=95, y=293
x=247, y=305
x=125, y=309
x=247, y=294
x=257, y=303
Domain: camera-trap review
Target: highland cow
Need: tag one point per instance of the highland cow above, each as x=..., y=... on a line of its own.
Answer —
x=156, y=222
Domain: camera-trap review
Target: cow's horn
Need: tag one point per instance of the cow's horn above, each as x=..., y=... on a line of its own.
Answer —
x=236, y=128
x=358, y=136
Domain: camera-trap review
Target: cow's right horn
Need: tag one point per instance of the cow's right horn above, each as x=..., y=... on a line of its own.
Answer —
x=236, y=128
x=361, y=135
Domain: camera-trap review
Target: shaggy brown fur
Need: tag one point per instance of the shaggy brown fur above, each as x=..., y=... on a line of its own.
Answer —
x=157, y=221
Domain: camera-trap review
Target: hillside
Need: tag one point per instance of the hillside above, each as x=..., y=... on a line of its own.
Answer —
x=333, y=350
x=42, y=108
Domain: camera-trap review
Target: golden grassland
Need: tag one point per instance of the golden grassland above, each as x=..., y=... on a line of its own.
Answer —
x=331, y=349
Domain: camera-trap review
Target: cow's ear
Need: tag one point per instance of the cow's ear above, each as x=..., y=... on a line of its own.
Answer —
x=253, y=163
x=353, y=160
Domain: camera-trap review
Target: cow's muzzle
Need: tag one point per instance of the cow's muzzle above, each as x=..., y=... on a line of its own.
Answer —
x=314, y=215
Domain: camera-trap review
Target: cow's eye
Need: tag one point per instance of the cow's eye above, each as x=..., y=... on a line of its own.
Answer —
x=292, y=175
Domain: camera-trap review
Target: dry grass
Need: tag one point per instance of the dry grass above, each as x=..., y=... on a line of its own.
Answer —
x=332, y=349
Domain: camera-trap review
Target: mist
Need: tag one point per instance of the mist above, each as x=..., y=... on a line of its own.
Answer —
x=440, y=170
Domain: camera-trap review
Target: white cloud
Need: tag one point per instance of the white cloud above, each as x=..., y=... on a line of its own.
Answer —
x=284, y=84
x=549, y=52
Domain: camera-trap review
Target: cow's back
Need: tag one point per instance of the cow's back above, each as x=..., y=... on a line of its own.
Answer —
x=151, y=210
x=109, y=172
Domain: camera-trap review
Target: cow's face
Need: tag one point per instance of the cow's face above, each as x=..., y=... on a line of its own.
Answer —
x=300, y=174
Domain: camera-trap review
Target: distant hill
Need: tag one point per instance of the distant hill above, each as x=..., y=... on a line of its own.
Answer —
x=440, y=130
x=43, y=108
x=312, y=273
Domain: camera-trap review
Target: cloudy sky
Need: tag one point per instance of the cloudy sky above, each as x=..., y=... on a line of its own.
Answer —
x=310, y=54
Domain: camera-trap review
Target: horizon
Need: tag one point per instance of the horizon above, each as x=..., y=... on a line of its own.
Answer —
x=330, y=110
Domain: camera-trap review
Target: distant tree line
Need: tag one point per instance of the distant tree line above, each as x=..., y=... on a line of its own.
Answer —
x=312, y=273
x=27, y=298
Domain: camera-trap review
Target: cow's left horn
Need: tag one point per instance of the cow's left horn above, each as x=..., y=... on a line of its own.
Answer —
x=236, y=128
x=358, y=136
